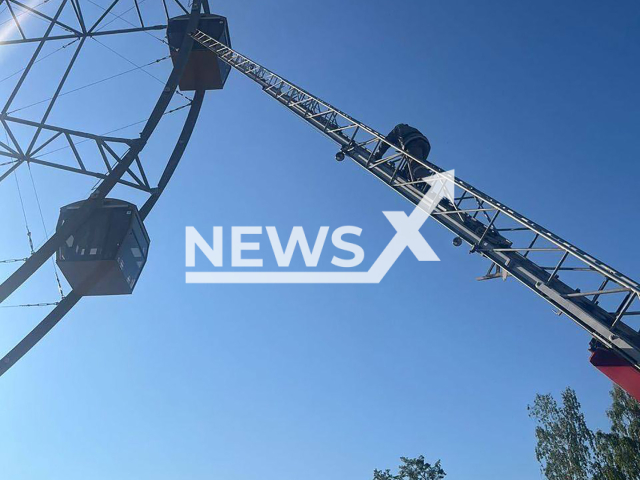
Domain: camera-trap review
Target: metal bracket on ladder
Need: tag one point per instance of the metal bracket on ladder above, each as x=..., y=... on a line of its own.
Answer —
x=491, y=274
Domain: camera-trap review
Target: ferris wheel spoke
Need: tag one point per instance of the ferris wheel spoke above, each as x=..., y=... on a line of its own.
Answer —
x=33, y=59
x=83, y=35
x=139, y=14
x=10, y=170
x=78, y=11
x=137, y=175
x=56, y=94
x=38, y=13
x=15, y=156
x=15, y=19
x=137, y=184
x=62, y=130
x=104, y=14
x=182, y=6
x=8, y=149
x=11, y=136
x=51, y=139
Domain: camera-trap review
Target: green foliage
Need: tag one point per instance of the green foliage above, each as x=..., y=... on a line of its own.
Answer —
x=618, y=452
x=412, y=469
x=568, y=450
x=624, y=414
x=565, y=443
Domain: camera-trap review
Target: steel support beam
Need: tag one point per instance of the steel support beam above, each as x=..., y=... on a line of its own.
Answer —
x=82, y=35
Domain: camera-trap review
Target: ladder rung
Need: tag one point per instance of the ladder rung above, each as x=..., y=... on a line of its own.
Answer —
x=596, y=292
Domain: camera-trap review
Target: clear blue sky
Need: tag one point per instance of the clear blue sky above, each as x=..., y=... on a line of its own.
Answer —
x=536, y=103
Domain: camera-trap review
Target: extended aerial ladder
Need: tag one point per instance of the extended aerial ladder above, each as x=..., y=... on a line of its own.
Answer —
x=595, y=296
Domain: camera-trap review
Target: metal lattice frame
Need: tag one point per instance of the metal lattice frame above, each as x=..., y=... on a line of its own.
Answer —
x=488, y=226
x=116, y=166
x=29, y=152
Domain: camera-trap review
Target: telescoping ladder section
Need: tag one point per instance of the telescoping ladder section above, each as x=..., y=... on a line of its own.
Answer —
x=594, y=295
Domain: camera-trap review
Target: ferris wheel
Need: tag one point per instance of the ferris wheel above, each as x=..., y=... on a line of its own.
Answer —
x=100, y=242
x=99, y=126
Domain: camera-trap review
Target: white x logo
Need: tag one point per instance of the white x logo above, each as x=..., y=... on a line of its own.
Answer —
x=408, y=227
x=441, y=185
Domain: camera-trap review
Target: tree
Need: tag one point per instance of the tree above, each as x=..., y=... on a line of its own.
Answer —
x=412, y=469
x=618, y=452
x=565, y=443
x=568, y=450
x=624, y=414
